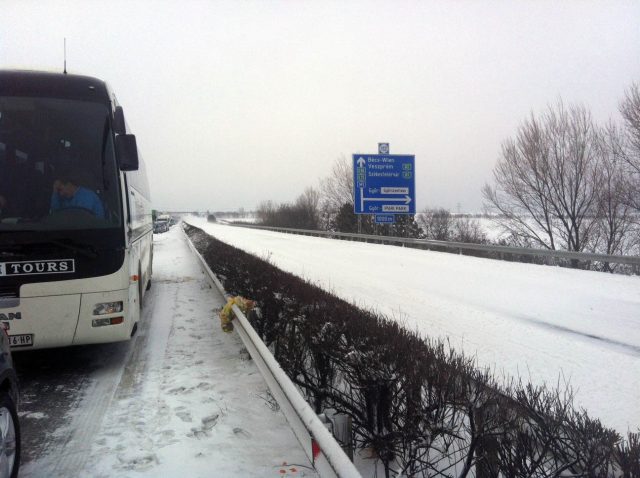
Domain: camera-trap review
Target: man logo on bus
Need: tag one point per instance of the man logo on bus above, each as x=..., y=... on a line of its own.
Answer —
x=10, y=316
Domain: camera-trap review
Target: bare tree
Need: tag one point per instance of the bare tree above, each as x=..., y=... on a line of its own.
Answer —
x=265, y=212
x=308, y=204
x=466, y=229
x=303, y=213
x=616, y=231
x=336, y=191
x=630, y=109
x=436, y=224
x=337, y=188
x=521, y=195
x=441, y=225
x=546, y=180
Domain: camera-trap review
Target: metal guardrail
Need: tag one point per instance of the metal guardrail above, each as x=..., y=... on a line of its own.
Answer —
x=328, y=458
x=460, y=246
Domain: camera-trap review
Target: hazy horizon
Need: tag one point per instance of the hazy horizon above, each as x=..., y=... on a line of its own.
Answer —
x=234, y=103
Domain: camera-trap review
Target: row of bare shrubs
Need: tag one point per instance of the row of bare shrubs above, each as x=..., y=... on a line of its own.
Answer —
x=419, y=407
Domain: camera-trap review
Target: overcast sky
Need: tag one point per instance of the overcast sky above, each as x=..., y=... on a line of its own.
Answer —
x=237, y=102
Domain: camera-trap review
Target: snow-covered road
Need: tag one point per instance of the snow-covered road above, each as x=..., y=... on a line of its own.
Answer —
x=181, y=400
x=543, y=323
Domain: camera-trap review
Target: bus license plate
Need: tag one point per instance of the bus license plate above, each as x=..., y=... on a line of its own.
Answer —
x=24, y=340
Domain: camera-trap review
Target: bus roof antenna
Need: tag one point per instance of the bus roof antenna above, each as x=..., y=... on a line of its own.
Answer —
x=65, y=56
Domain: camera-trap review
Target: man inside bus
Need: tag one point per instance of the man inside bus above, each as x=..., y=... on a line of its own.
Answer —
x=67, y=194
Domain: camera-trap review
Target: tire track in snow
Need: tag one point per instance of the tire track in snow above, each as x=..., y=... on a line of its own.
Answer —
x=630, y=349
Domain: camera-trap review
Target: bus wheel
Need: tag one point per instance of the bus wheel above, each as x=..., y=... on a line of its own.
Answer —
x=9, y=437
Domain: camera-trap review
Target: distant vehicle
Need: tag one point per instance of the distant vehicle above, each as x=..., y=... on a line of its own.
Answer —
x=160, y=226
x=9, y=425
x=75, y=264
x=163, y=223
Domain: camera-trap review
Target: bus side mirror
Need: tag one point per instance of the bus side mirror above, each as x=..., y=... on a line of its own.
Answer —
x=119, y=126
x=127, y=152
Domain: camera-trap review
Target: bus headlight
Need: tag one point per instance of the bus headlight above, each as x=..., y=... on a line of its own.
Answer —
x=107, y=308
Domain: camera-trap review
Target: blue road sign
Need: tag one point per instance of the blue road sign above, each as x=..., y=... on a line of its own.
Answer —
x=384, y=184
x=385, y=219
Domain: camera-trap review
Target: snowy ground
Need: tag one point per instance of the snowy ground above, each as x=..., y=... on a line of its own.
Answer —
x=543, y=323
x=181, y=400
x=490, y=228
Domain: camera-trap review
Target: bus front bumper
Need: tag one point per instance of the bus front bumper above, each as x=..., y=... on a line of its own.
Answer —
x=63, y=320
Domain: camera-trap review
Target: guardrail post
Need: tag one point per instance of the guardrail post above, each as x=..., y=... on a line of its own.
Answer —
x=487, y=448
x=343, y=432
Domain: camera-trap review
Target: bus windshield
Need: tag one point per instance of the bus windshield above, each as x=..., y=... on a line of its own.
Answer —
x=57, y=165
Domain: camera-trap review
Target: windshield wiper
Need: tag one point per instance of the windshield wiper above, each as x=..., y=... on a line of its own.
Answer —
x=86, y=251
x=10, y=255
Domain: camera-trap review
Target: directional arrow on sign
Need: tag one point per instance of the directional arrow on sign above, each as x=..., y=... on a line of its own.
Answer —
x=361, y=162
x=406, y=199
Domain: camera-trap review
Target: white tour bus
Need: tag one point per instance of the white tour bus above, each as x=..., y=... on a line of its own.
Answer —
x=75, y=216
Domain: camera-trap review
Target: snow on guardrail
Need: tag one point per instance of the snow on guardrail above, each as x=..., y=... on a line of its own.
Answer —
x=581, y=256
x=323, y=451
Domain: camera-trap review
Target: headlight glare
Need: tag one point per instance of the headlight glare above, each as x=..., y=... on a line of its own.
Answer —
x=107, y=308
